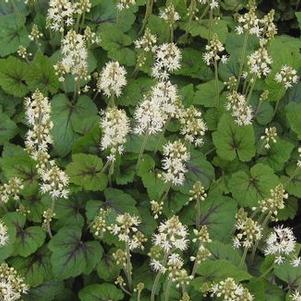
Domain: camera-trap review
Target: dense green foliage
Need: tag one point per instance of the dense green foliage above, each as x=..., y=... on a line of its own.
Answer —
x=61, y=256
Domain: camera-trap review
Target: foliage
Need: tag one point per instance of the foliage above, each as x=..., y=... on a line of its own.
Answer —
x=63, y=203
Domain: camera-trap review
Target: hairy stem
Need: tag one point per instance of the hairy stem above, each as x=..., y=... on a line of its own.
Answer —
x=242, y=59
x=142, y=149
x=167, y=291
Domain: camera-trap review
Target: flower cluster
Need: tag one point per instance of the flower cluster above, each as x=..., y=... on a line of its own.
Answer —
x=54, y=181
x=82, y=6
x=213, y=4
x=229, y=290
x=270, y=135
x=198, y=192
x=167, y=59
x=170, y=15
x=115, y=126
x=124, y=4
x=287, y=76
x=259, y=62
x=153, y=112
x=38, y=138
x=295, y=296
x=126, y=228
x=269, y=29
x=60, y=14
x=176, y=273
x=249, y=23
x=75, y=57
x=241, y=111
x=172, y=235
x=174, y=162
x=248, y=231
x=23, y=52
x=193, y=126
x=156, y=208
x=100, y=225
x=202, y=238
x=214, y=51
x=275, y=202
x=281, y=243
x=4, y=238
x=11, y=190
x=112, y=79
x=148, y=42
x=35, y=34
x=12, y=286
x=48, y=216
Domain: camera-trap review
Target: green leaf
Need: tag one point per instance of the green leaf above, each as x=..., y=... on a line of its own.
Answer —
x=22, y=167
x=41, y=75
x=46, y=292
x=70, y=119
x=7, y=250
x=13, y=76
x=116, y=43
x=86, y=171
x=202, y=28
x=68, y=211
x=133, y=91
x=12, y=33
x=71, y=256
x=220, y=250
x=234, y=45
x=199, y=169
x=279, y=154
x=100, y=292
x=36, y=269
x=193, y=66
x=158, y=26
x=284, y=50
x=289, y=274
x=154, y=143
x=8, y=129
x=107, y=269
x=153, y=184
x=217, y=212
x=293, y=113
x=249, y=188
x=289, y=211
x=293, y=181
x=106, y=11
x=28, y=240
x=120, y=201
x=217, y=270
x=206, y=94
x=89, y=143
x=233, y=141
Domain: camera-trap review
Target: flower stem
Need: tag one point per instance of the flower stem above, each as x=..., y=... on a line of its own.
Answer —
x=155, y=285
x=148, y=12
x=142, y=149
x=264, y=223
x=251, y=90
x=198, y=214
x=216, y=83
x=267, y=271
x=166, y=295
x=244, y=255
x=128, y=266
x=242, y=59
